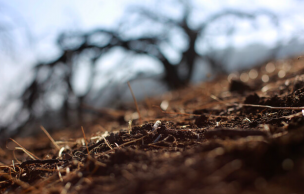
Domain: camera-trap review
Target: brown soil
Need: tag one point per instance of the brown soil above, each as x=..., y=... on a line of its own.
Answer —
x=208, y=141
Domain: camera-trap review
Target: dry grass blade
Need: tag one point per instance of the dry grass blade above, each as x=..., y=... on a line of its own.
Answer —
x=124, y=144
x=221, y=101
x=59, y=173
x=135, y=140
x=26, y=151
x=293, y=115
x=24, y=185
x=16, y=157
x=9, y=167
x=272, y=107
x=50, y=137
x=85, y=139
x=106, y=141
x=139, y=116
x=257, y=105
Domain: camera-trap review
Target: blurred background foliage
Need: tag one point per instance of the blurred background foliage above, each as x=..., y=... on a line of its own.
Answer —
x=160, y=45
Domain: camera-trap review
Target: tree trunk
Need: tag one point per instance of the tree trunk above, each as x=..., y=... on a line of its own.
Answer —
x=171, y=75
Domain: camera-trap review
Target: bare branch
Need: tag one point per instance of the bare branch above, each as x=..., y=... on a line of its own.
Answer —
x=239, y=14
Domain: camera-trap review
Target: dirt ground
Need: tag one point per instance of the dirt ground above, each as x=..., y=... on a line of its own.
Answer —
x=240, y=133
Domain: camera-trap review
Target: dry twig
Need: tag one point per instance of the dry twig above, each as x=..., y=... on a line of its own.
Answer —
x=26, y=151
x=85, y=139
x=50, y=137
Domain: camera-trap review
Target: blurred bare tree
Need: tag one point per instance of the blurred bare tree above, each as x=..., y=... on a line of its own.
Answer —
x=56, y=76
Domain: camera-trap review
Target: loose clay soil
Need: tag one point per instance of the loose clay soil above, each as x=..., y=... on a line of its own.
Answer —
x=212, y=138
